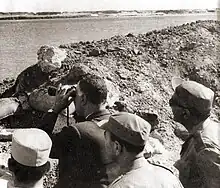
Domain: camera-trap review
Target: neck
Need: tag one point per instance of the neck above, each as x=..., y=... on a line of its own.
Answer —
x=38, y=184
x=113, y=171
x=194, y=124
x=91, y=108
x=121, y=166
x=200, y=126
x=126, y=162
x=195, y=119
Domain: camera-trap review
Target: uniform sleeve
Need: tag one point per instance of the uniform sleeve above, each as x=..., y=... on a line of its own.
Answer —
x=208, y=162
x=48, y=122
x=65, y=142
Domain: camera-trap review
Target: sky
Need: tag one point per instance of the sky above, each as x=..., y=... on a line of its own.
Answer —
x=92, y=5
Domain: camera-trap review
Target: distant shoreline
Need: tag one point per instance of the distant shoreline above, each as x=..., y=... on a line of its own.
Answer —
x=101, y=14
x=38, y=17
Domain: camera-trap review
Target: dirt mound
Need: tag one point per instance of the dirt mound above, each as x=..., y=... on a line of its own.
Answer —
x=143, y=66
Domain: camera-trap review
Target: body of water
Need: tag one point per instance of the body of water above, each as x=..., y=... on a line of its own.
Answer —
x=20, y=40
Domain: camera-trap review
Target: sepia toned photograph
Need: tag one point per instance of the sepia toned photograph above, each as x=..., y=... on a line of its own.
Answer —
x=109, y=94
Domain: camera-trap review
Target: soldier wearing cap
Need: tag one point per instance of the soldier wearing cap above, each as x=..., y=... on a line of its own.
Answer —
x=125, y=138
x=29, y=159
x=199, y=165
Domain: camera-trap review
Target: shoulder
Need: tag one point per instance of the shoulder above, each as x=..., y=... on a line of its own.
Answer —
x=152, y=177
x=161, y=167
x=207, y=139
x=28, y=71
x=88, y=127
x=83, y=132
x=69, y=134
x=118, y=183
x=162, y=176
x=67, y=139
x=83, y=124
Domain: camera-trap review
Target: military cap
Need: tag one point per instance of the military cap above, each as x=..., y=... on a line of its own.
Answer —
x=31, y=147
x=128, y=127
x=194, y=95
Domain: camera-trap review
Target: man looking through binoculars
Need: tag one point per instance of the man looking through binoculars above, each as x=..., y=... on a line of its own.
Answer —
x=78, y=146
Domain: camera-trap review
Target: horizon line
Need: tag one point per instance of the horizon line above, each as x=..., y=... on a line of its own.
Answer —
x=109, y=10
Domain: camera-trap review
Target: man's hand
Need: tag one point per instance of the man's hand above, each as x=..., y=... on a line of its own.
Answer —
x=63, y=98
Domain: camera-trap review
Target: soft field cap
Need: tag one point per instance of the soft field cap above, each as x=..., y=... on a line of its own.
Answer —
x=129, y=127
x=195, y=95
x=31, y=147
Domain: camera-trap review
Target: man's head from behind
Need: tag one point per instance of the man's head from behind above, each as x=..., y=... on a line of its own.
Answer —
x=125, y=134
x=91, y=92
x=29, y=155
x=191, y=101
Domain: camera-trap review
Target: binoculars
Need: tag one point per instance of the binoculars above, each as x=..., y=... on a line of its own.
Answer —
x=52, y=91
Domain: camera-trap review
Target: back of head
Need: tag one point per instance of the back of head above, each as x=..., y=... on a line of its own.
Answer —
x=195, y=96
x=30, y=154
x=129, y=128
x=95, y=89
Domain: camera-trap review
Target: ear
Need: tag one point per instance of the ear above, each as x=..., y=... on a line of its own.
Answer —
x=11, y=164
x=186, y=114
x=83, y=99
x=118, y=148
x=48, y=167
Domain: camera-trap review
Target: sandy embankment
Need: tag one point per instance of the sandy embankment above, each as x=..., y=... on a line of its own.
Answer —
x=142, y=66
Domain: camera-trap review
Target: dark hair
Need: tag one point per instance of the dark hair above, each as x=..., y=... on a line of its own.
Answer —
x=129, y=147
x=94, y=87
x=27, y=174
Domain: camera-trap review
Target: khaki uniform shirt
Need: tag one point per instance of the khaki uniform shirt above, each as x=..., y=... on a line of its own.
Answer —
x=199, y=166
x=145, y=175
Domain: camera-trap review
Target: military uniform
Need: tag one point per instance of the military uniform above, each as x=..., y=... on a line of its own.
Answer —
x=134, y=170
x=199, y=165
x=144, y=175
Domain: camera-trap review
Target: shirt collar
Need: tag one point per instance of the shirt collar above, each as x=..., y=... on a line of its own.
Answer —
x=139, y=162
x=97, y=114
